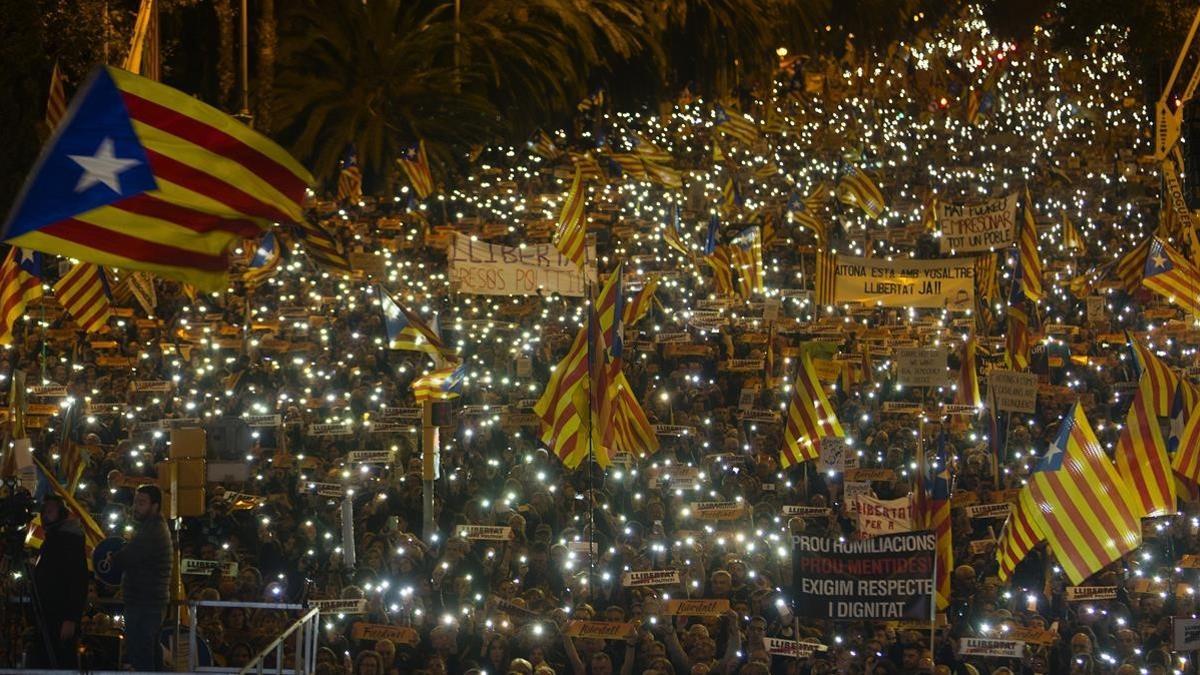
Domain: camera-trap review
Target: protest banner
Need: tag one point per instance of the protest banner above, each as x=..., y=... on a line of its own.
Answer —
x=806, y=511
x=485, y=532
x=870, y=474
x=650, y=578
x=262, y=421
x=800, y=650
x=1000, y=510
x=330, y=429
x=836, y=455
x=1095, y=309
x=881, y=516
x=901, y=408
x=700, y=607
x=402, y=635
x=1028, y=635
x=370, y=457
x=922, y=367
x=1187, y=634
x=605, y=630
x=483, y=268
x=1011, y=391
x=718, y=510
x=157, y=386
x=1085, y=593
x=881, y=578
x=324, y=489
x=338, y=606
x=194, y=566
x=851, y=489
x=1005, y=649
x=906, y=283
x=982, y=226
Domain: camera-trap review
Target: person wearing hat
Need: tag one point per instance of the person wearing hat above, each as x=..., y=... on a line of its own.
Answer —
x=61, y=579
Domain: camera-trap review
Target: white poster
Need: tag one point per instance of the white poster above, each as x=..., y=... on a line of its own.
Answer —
x=922, y=367
x=483, y=268
x=1011, y=391
x=983, y=226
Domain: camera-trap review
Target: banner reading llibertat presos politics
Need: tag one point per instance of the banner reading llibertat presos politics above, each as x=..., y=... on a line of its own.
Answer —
x=484, y=268
x=981, y=226
x=887, y=577
x=906, y=282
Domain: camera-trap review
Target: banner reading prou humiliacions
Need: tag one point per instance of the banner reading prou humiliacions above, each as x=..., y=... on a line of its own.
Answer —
x=905, y=282
x=883, y=578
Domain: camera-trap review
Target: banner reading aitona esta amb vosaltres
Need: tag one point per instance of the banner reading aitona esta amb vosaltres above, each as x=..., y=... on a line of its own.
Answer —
x=906, y=283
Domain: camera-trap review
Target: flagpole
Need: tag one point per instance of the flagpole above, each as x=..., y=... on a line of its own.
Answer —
x=589, y=291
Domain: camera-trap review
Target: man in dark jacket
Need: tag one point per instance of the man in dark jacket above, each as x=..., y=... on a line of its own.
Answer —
x=61, y=577
x=145, y=565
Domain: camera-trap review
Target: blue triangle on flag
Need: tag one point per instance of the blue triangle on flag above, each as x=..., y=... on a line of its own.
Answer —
x=94, y=158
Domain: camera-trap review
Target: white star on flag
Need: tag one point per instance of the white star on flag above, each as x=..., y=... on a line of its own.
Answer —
x=102, y=167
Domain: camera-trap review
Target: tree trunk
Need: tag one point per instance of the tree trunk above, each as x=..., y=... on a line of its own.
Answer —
x=267, y=42
x=226, y=69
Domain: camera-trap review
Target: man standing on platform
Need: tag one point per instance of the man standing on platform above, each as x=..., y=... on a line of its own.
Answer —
x=61, y=577
x=145, y=565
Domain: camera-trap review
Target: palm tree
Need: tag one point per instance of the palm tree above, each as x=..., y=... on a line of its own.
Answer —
x=378, y=75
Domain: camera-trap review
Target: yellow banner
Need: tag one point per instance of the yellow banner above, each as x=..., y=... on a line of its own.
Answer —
x=906, y=283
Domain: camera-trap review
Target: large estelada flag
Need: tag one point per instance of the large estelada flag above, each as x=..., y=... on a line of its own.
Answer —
x=142, y=176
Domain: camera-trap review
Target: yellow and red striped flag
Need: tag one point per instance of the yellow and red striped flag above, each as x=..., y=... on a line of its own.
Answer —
x=20, y=283
x=987, y=284
x=746, y=257
x=1018, y=340
x=630, y=165
x=651, y=152
x=1021, y=533
x=350, y=177
x=939, y=521
x=671, y=233
x=84, y=293
x=1087, y=511
x=1070, y=235
x=857, y=189
x=586, y=165
x=1132, y=265
x=637, y=307
x=666, y=176
x=571, y=237
x=1028, y=258
x=1186, y=461
x=415, y=164
x=735, y=124
x=826, y=276
x=56, y=101
x=810, y=417
x=1172, y=276
x=92, y=534
x=442, y=384
x=564, y=404
x=144, y=177
x=1158, y=378
x=1142, y=457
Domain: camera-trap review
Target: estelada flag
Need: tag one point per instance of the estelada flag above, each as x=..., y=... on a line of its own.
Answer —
x=142, y=176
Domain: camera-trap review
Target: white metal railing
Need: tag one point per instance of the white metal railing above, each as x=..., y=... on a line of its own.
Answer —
x=306, y=640
x=306, y=629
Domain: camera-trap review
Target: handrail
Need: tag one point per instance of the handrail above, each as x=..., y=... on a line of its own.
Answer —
x=306, y=644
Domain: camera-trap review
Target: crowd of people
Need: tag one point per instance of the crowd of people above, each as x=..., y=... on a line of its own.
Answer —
x=955, y=113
